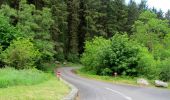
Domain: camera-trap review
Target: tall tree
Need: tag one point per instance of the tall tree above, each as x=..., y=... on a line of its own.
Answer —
x=59, y=27
x=160, y=14
x=143, y=6
x=167, y=15
x=72, y=34
x=82, y=25
x=133, y=14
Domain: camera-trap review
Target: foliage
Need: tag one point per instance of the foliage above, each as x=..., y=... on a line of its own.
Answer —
x=21, y=54
x=149, y=30
x=165, y=70
x=107, y=72
x=119, y=55
x=147, y=65
x=94, y=51
x=48, y=90
x=7, y=32
x=11, y=77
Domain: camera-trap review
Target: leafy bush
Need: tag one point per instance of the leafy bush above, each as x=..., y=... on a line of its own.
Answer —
x=12, y=77
x=73, y=57
x=92, y=58
x=107, y=71
x=147, y=65
x=165, y=70
x=21, y=54
x=7, y=32
x=119, y=54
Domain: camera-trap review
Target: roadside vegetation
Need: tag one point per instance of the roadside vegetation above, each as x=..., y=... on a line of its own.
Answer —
x=122, y=80
x=11, y=77
x=106, y=36
x=47, y=90
x=27, y=53
x=145, y=53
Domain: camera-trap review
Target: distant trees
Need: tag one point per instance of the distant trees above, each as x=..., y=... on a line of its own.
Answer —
x=29, y=23
x=118, y=54
x=144, y=53
x=59, y=29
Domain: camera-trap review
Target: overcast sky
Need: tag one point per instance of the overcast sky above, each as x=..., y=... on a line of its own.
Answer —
x=159, y=4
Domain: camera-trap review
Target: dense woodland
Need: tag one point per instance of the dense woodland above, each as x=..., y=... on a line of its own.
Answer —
x=135, y=39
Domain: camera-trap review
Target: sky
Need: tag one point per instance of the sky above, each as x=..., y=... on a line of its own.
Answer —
x=159, y=4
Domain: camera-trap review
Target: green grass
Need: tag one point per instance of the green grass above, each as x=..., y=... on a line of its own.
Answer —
x=49, y=90
x=70, y=64
x=30, y=84
x=11, y=77
x=116, y=80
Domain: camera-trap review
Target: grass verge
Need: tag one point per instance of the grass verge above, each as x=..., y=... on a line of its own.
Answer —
x=30, y=84
x=49, y=90
x=12, y=77
x=125, y=80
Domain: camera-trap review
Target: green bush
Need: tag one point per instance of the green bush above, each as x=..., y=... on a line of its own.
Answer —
x=7, y=32
x=118, y=54
x=13, y=77
x=21, y=54
x=165, y=70
x=73, y=58
x=107, y=71
x=147, y=65
x=92, y=58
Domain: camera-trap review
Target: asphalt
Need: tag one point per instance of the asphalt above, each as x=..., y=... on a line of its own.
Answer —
x=97, y=90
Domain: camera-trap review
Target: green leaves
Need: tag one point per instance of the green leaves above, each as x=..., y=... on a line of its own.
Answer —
x=7, y=32
x=21, y=54
x=118, y=54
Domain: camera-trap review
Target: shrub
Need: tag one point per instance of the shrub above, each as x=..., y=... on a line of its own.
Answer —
x=7, y=32
x=21, y=54
x=118, y=54
x=92, y=58
x=123, y=55
x=107, y=71
x=147, y=65
x=73, y=57
x=165, y=70
x=12, y=77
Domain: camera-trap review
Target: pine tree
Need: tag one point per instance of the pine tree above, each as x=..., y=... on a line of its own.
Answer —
x=167, y=15
x=160, y=14
x=121, y=15
x=143, y=6
x=72, y=35
x=59, y=27
x=133, y=14
x=82, y=28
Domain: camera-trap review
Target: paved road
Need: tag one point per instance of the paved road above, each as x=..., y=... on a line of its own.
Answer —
x=96, y=90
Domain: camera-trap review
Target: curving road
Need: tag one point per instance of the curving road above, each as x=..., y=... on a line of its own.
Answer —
x=96, y=90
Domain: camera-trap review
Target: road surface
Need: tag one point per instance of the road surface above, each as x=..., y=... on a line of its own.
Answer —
x=96, y=90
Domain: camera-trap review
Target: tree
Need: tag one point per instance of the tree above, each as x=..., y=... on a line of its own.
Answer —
x=82, y=28
x=143, y=6
x=59, y=28
x=150, y=31
x=72, y=35
x=118, y=54
x=133, y=14
x=21, y=54
x=8, y=33
x=160, y=14
x=167, y=15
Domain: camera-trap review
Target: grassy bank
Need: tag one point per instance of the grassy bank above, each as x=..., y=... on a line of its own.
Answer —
x=125, y=80
x=11, y=77
x=48, y=90
x=30, y=84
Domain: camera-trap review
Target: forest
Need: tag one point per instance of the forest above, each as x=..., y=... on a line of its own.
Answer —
x=106, y=36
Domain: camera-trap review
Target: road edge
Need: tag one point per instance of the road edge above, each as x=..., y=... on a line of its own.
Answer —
x=74, y=91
